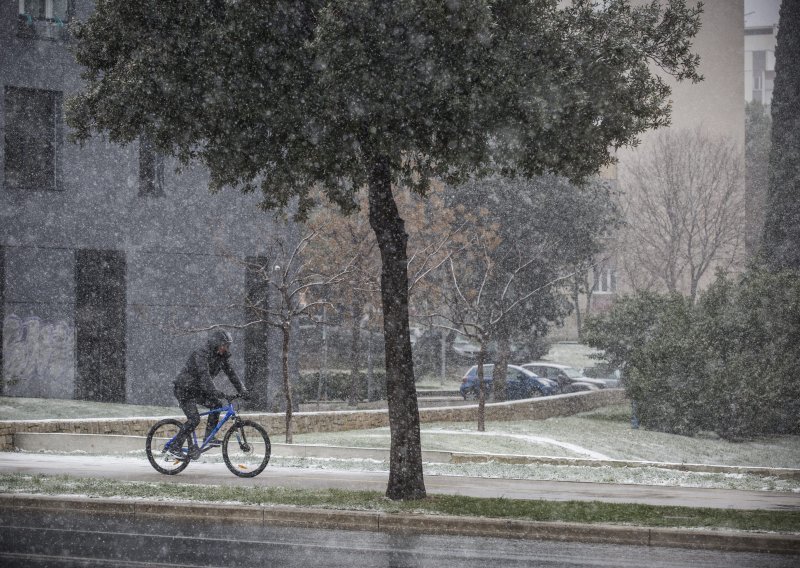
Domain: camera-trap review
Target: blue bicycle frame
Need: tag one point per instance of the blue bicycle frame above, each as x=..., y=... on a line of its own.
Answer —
x=229, y=413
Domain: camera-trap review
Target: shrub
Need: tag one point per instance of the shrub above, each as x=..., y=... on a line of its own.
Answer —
x=337, y=385
x=728, y=364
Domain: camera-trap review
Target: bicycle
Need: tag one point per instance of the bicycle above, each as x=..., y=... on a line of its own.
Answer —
x=246, y=447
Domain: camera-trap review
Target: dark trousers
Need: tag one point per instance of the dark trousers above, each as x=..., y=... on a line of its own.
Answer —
x=188, y=401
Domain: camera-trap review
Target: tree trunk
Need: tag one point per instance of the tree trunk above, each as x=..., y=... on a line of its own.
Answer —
x=286, y=328
x=499, y=383
x=323, y=366
x=405, y=457
x=481, y=390
x=576, y=297
x=371, y=395
x=356, y=311
x=443, y=358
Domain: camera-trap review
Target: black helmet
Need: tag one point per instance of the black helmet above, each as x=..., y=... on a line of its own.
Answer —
x=220, y=337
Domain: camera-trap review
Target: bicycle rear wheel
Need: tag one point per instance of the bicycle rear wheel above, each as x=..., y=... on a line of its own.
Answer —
x=246, y=448
x=158, y=447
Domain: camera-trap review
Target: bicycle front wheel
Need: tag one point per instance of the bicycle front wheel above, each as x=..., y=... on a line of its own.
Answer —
x=159, y=444
x=246, y=448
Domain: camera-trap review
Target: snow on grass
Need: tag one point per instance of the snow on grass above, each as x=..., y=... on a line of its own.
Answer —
x=20, y=408
x=605, y=432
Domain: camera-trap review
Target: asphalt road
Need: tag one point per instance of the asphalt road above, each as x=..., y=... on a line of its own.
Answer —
x=217, y=474
x=35, y=538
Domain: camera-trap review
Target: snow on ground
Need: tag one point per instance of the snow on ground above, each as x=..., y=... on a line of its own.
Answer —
x=582, y=452
x=601, y=434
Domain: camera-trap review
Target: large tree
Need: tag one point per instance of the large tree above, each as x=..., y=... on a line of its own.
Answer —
x=340, y=94
x=781, y=239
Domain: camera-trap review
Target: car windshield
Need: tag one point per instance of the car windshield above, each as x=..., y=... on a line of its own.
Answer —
x=572, y=373
x=487, y=371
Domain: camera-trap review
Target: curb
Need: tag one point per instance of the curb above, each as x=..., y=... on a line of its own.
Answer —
x=738, y=541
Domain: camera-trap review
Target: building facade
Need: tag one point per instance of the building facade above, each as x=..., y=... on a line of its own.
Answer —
x=111, y=263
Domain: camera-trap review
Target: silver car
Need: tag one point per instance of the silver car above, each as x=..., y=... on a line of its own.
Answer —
x=568, y=378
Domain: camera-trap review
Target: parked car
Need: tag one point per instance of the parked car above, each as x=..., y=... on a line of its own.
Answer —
x=604, y=372
x=465, y=347
x=520, y=383
x=567, y=378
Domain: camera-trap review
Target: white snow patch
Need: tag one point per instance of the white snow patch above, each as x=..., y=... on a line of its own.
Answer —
x=532, y=439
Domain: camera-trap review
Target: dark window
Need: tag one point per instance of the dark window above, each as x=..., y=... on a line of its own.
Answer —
x=33, y=139
x=44, y=19
x=151, y=169
x=100, y=322
x=2, y=311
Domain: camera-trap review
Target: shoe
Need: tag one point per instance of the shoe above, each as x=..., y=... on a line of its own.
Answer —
x=177, y=452
x=214, y=443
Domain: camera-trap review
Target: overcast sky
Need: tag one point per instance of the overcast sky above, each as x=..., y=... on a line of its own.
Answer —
x=761, y=12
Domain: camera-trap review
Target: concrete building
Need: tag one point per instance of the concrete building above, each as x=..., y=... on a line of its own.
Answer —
x=106, y=252
x=760, y=38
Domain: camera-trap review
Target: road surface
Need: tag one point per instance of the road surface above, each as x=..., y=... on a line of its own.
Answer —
x=34, y=538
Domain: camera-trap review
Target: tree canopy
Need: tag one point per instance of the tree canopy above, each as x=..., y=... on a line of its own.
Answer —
x=286, y=95
x=781, y=240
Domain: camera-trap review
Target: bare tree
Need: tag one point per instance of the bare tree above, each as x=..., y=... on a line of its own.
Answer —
x=487, y=284
x=685, y=207
x=285, y=272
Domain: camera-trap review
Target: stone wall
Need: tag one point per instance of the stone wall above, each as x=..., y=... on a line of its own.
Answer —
x=531, y=409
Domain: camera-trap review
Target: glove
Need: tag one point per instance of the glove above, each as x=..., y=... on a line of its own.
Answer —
x=220, y=395
x=244, y=394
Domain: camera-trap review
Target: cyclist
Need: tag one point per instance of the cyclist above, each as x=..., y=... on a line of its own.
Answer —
x=194, y=386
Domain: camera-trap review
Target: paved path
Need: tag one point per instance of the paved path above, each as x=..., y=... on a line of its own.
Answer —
x=217, y=474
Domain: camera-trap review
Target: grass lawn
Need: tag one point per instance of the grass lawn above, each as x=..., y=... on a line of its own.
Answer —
x=551, y=511
x=18, y=408
x=604, y=432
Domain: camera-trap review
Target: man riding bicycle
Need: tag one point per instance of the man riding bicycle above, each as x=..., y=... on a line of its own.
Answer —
x=194, y=386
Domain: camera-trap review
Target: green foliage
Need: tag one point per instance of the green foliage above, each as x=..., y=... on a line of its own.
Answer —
x=283, y=96
x=781, y=244
x=523, y=236
x=337, y=385
x=728, y=364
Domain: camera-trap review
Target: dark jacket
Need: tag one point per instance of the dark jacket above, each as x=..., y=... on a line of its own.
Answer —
x=203, y=365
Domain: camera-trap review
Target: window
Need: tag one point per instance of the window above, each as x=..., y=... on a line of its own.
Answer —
x=605, y=280
x=151, y=169
x=44, y=19
x=33, y=139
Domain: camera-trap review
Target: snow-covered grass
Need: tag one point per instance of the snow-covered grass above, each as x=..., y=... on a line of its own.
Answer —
x=18, y=408
x=601, y=433
x=533, y=510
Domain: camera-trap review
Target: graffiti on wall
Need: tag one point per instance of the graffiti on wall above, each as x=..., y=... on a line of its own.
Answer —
x=38, y=356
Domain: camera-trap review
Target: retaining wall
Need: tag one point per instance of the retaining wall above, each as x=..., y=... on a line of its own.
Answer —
x=531, y=409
